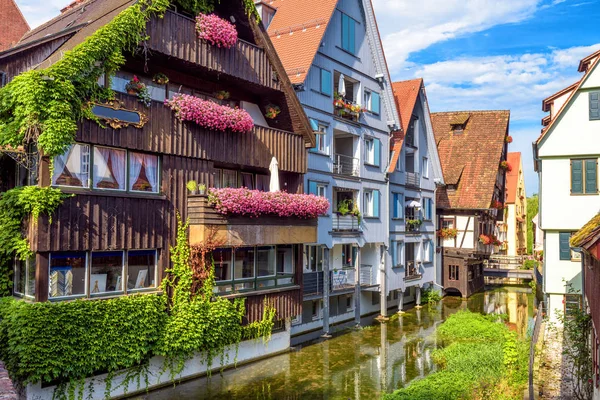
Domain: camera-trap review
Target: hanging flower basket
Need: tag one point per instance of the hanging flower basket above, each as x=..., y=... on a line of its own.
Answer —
x=447, y=233
x=216, y=30
x=497, y=205
x=209, y=114
x=272, y=111
x=508, y=139
x=254, y=203
x=160, y=78
x=505, y=166
x=489, y=239
x=135, y=87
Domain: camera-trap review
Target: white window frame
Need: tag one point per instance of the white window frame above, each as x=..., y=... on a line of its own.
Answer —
x=369, y=157
x=367, y=99
x=321, y=138
x=321, y=190
x=425, y=167
x=426, y=251
x=369, y=203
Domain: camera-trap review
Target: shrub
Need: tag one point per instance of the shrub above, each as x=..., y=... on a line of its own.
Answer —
x=530, y=264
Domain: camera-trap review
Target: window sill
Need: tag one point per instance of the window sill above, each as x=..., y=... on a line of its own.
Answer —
x=398, y=266
x=368, y=164
x=319, y=153
x=111, y=193
x=347, y=52
x=321, y=93
x=585, y=194
x=397, y=218
x=370, y=217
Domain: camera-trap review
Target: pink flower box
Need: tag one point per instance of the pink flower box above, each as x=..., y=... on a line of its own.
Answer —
x=216, y=30
x=209, y=114
x=253, y=203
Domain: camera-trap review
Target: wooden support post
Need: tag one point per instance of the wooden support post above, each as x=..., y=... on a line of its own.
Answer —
x=357, y=288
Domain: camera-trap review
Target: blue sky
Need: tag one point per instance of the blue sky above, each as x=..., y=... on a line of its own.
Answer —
x=474, y=54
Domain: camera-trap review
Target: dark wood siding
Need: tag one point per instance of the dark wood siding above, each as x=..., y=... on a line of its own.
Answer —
x=28, y=59
x=175, y=35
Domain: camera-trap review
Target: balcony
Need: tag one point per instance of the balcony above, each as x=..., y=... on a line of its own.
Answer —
x=413, y=271
x=313, y=283
x=413, y=227
x=345, y=224
x=343, y=279
x=174, y=35
x=413, y=179
x=345, y=165
x=205, y=222
x=347, y=110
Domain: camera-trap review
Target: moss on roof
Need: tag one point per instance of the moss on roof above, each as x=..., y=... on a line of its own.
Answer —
x=581, y=235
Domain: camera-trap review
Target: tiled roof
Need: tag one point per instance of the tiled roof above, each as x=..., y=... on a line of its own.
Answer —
x=406, y=94
x=12, y=24
x=512, y=177
x=297, y=30
x=396, y=145
x=470, y=159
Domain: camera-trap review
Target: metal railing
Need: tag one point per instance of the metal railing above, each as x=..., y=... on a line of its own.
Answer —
x=313, y=283
x=413, y=179
x=345, y=223
x=534, y=338
x=345, y=165
x=412, y=271
x=344, y=278
x=367, y=275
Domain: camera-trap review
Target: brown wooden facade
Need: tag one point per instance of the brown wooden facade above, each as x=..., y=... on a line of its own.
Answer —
x=101, y=220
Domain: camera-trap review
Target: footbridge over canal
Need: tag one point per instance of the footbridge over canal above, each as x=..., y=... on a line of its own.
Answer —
x=506, y=269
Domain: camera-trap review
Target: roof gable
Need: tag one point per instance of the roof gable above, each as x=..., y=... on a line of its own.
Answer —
x=12, y=24
x=405, y=95
x=470, y=159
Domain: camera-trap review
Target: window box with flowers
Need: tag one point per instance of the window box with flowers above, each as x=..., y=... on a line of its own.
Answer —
x=272, y=111
x=209, y=114
x=489, y=240
x=447, y=233
x=498, y=205
x=346, y=109
x=413, y=225
x=216, y=31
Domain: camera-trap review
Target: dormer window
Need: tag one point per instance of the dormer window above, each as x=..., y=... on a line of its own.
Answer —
x=266, y=12
x=458, y=129
x=458, y=123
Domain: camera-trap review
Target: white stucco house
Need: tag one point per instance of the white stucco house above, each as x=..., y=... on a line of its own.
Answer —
x=566, y=159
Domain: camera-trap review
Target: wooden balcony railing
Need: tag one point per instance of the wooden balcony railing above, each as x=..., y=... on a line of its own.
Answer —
x=205, y=222
x=175, y=36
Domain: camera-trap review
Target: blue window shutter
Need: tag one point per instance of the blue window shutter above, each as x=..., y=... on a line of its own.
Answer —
x=312, y=187
x=352, y=35
x=429, y=209
x=395, y=205
x=565, y=251
x=431, y=252
x=377, y=152
x=576, y=176
x=345, y=33
x=401, y=206
x=326, y=82
x=376, y=203
x=594, y=105
x=591, y=182
x=314, y=124
x=375, y=103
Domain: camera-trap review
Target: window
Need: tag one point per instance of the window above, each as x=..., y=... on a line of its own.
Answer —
x=453, y=272
x=397, y=254
x=67, y=274
x=109, y=168
x=447, y=223
x=349, y=303
x=594, y=105
x=73, y=167
x=372, y=101
x=428, y=251
x=427, y=209
x=375, y=298
x=2, y=79
x=320, y=132
x=143, y=172
x=372, y=151
x=572, y=303
x=470, y=273
x=425, y=168
x=325, y=82
x=314, y=258
x=106, y=272
x=397, y=205
x=317, y=308
x=348, y=34
x=141, y=269
x=24, y=277
x=247, y=180
x=317, y=188
x=584, y=176
x=348, y=255
x=371, y=205
x=564, y=246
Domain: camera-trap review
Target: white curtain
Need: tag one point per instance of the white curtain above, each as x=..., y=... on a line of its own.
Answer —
x=135, y=167
x=102, y=156
x=118, y=167
x=151, y=165
x=60, y=162
x=100, y=164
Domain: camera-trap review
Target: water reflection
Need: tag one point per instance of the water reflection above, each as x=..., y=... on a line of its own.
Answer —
x=356, y=364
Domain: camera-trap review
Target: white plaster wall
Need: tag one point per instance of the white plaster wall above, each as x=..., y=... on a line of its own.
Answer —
x=558, y=103
x=462, y=223
x=557, y=270
x=248, y=350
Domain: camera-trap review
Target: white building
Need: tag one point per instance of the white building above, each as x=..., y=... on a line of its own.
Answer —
x=566, y=159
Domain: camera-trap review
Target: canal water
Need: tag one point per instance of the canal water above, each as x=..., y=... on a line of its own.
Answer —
x=356, y=364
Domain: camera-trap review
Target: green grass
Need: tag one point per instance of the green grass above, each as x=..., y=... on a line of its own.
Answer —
x=481, y=359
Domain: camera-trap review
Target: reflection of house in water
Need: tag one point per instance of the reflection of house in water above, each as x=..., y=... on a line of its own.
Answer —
x=513, y=304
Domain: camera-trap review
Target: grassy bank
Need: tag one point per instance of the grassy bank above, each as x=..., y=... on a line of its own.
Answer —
x=481, y=359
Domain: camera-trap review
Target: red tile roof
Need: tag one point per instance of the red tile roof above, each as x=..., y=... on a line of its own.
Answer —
x=297, y=30
x=470, y=160
x=512, y=177
x=406, y=94
x=12, y=24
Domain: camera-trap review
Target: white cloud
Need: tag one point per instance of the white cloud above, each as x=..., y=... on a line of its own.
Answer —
x=37, y=12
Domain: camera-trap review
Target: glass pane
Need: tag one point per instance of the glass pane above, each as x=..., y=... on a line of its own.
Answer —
x=30, y=287
x=143, y=172
x=247, y=181
x=244, y=263
x=19, y=277
x=106, y=112
x=223, y=289
x=109, y=168
x=265, y=260
x=141, y=269
x=229, y=178
x=285, y=263
x=107, y=272
x=262, y=182
x=73, y=167
x=222, y=260
x=67, y=274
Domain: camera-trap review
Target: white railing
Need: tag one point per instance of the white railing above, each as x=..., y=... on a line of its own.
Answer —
x=345, y=165
x=345, y=223
x=367, y=275
x=344, y=278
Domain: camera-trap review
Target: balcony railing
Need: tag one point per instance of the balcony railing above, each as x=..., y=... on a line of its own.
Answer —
x=412, y=271
x=345, y=223
x=343, y=279
x=413, y=228
x=313, y=283
x=343, y=108
x=413, y=179
x=367, y=275
x=345, y=165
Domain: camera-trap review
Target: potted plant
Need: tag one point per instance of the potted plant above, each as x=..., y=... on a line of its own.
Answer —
x=272, y=111
x=222, y=95
x=343, y=207
x=192, y=186
x=413, y=223
x=134, y=86
x=202, y=188
x=160, y=78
